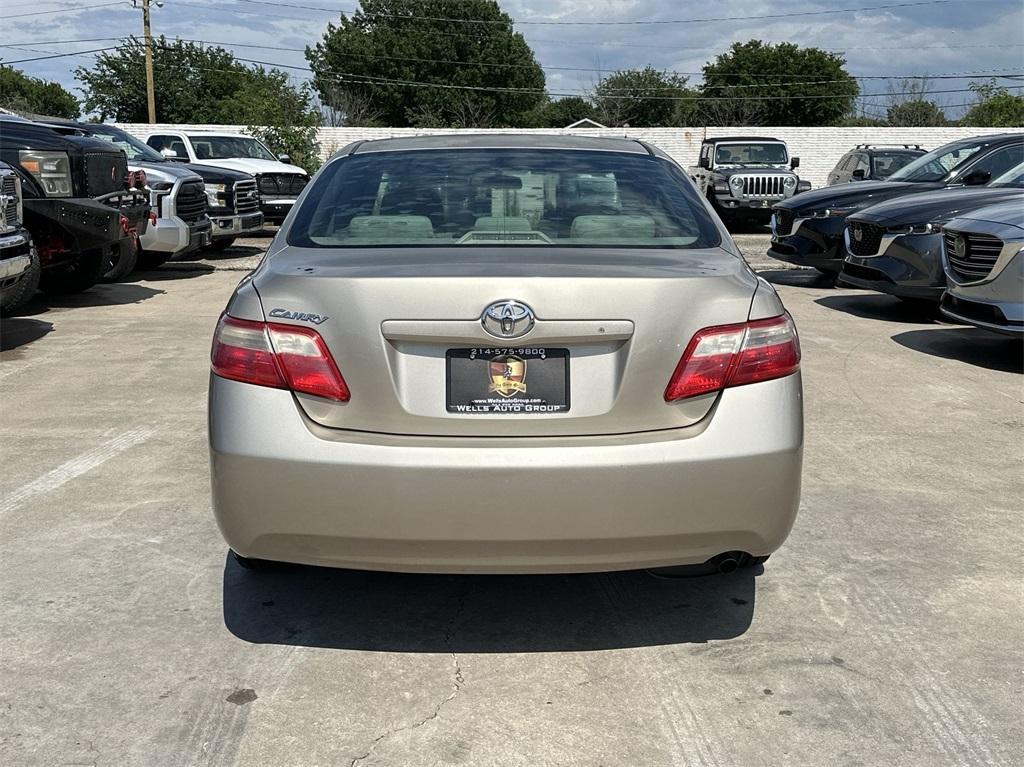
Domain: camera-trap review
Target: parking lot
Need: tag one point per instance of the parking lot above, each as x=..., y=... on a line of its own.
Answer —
x=886, y=631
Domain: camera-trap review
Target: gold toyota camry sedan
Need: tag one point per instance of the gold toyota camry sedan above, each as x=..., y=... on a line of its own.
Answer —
x=504, y=354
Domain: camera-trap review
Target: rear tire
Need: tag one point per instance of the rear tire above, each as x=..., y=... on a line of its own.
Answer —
x=76, y=277
x=220, y=244
x=151, y=259
x=26, y=288
x=123, y=264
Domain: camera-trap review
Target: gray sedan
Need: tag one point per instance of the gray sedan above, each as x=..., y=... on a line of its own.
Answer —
x=983, y=255
x=480, y=354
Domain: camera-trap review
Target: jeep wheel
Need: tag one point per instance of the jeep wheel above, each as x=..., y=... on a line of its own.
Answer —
x=78, y=276
x=122, y=262
x=19, y=295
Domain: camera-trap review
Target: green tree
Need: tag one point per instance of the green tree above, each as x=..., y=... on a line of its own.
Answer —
x=193, y=84
x=916, y=113
x=375, y=55
x=781, y=84
x=996, y=108
x=21, y=93
x=561, y=112
x=644, y=98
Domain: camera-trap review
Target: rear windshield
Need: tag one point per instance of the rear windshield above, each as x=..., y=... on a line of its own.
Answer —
x=888, y=162
x=475, y=197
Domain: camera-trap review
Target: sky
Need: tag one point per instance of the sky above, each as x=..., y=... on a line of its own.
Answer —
x=955, y=42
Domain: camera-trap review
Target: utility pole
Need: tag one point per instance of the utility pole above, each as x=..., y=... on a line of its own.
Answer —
x=148, y=34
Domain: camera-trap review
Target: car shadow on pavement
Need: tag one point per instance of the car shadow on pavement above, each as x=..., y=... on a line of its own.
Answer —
x=970, y=345
x=20, y=331
x=877, y=306
x=393, y=612
x=235, y=251
x=799, y=278
x=176, y=271
x=103, y=294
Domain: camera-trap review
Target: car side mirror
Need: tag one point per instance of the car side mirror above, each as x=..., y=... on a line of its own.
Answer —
x=285, y=158
x=976, y=178
x=704, y=162
x=170, y=154
x=794, y=162
x=858, y=175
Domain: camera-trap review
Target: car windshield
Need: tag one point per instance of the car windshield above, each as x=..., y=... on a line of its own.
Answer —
x=888, y=162
x=1014, y=177
x=131, y=146
x=476, y=197
x=938, y=164
x=229, y=147
x=751, y=154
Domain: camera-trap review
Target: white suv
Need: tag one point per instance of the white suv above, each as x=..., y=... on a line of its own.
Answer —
x=279, y=181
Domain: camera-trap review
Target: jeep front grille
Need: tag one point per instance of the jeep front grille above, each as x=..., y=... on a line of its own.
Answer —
x=864, y=239
x=971, y=256
x=766, y=185
x=245, y=198
x=281, y=184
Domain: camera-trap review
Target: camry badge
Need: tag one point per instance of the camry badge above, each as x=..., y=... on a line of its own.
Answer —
x=284, y=314
x=508, y=319
x=508, y=375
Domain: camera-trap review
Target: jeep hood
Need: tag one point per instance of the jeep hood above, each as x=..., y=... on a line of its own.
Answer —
x=766, y=170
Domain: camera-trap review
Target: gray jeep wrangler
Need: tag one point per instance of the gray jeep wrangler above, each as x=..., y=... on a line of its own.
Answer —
x=744, y=177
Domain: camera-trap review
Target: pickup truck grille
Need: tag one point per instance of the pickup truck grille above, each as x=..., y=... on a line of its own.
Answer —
x=971, y=256
x=245, y=198
x=783, y=222
x=281, y=184
x=763, y=185
x=105, y=173
x=868, y=241
x=12, y=201
x=191, y=202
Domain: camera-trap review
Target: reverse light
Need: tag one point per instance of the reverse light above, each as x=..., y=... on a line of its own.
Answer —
x=733, y=355
x=276, y=355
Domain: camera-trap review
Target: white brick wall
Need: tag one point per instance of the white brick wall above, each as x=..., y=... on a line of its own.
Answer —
x=818, y=148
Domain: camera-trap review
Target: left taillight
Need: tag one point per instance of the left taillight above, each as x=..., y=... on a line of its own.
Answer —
x=733, y=355
x=278, y=356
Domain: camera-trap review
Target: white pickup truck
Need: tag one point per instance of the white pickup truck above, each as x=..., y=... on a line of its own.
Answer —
x=279, y=182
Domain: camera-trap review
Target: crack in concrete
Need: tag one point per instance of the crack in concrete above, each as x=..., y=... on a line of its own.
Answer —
x=458, y=682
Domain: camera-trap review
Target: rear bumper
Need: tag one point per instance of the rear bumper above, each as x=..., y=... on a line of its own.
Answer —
x=287, y=489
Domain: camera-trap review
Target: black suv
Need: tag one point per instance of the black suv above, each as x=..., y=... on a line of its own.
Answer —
x=808, y=230
x=81, y=205
x=873, y=162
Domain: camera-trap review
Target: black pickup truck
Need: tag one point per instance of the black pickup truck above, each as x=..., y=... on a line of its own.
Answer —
x=81, y=205
x=19, y=265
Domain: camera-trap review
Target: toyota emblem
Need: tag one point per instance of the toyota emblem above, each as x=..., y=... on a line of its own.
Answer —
x=508, y=319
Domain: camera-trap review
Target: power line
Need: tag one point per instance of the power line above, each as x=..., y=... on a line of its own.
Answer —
x=52, y=55
x=65, y=9
x=636, y=22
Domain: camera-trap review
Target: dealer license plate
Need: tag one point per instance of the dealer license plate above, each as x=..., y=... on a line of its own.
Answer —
x=512, y=380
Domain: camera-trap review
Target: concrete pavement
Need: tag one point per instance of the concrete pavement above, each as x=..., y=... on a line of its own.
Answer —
x=888, y=630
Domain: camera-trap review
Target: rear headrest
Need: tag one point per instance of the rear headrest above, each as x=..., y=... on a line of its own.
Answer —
x=502, y=224
x=612, y=227
x=391, y=227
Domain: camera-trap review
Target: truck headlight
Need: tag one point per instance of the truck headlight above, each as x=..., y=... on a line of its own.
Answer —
x=736, y=184
x=789, y=182
x=51, y=169
x=216, y=195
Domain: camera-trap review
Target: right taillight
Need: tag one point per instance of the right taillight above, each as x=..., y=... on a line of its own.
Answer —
x=276, y=355
x=732, y=355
